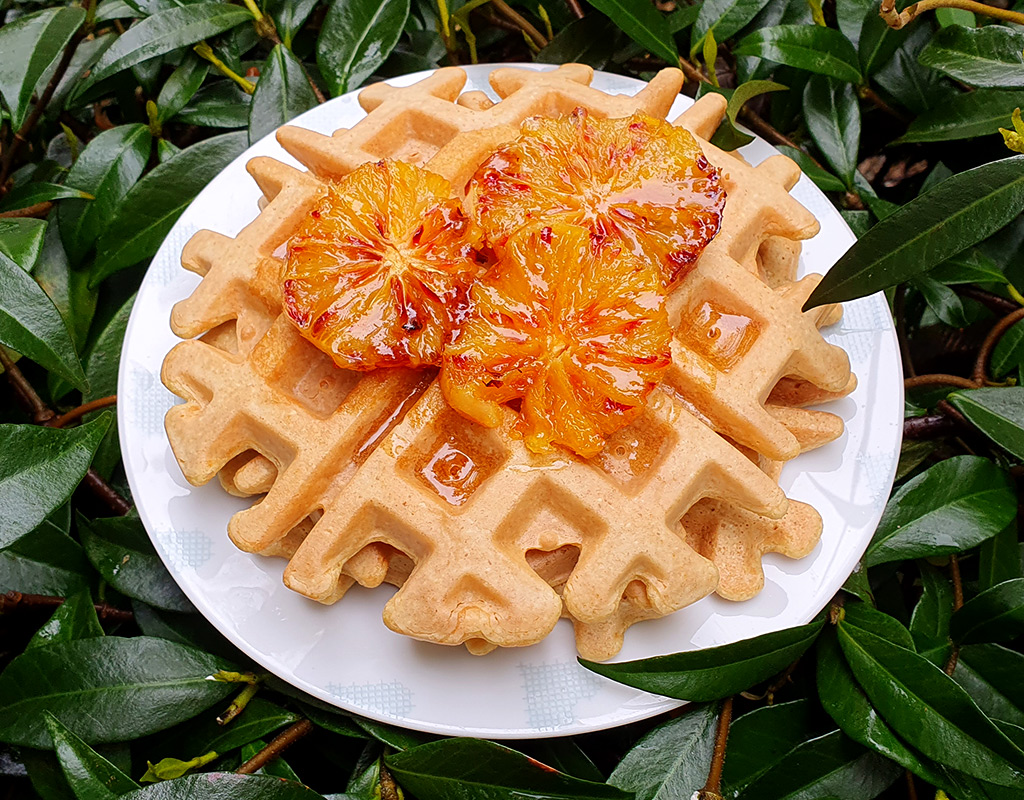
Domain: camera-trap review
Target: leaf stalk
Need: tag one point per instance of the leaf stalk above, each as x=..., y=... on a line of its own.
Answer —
x=899, y=19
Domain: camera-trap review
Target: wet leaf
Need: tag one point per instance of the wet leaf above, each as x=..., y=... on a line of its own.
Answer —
x=1009, y=352
x=715, y=672
x=46, y=560
x=92, y=776
x=356, y=37
x=583, y=41
x=991, y=675
x=74, y=619
x=181, y=87
x=106, y=689
x=289, y=16
x=988, y=57
x=21, y=240
x=219, y=105
x=260, y=718
x=762, y=737
x=40, y=469
x=996, y=412
x=999, y=558
x=966, y=115
x=823, y=51
x=224, y=786
x=36, y=192
x=281, y=94
x=930, y=621
x=644, y=24
x=726, y=17
x=832, y=114
x=995, y=615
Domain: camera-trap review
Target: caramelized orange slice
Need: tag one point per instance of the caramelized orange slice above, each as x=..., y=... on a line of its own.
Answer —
x=379, y=269
x=638, y=181
x=575, y=328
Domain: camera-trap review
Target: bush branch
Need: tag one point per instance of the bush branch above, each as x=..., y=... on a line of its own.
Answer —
x=898, y=19
x=958, y=602
x=82, y=410
x=713, y=787
x=994, y=335
x=277, y=746
x=11, y=601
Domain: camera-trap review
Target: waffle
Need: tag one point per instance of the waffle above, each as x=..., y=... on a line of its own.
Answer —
x=370, y=477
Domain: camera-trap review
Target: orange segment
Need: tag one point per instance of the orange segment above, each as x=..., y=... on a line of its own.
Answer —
x=379, y=269
x=575, y=328
x=638, y=181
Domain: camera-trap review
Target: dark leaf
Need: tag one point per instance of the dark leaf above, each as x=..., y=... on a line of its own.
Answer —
x=851, y=15
x=966, y=115
x=991, y=675
x=40, y=192
x=831, y=766
x=1009, y=352
x=261, y=718
x=995, y=615
x=181, y=87
x=219, y=105
x=21, y=240
x=911, y=83
x=996, y=412
x=868, y=618
x=878, y=43
x=643, y=24
x=832, y=114
x=40, y=469
x=74, y=619
x=999, y=558
x=672, y=760
x=224, y=786
x=107, y=169
x=106, y=689
x=120, y=550
x=163, y=32
x=46, y=561
x=31, y=44
x=89, y=773
x=289, y=16
x=822, y=178
x=824, y=51
x=281, y=94
x=277, y=767
x=566, y=756
x=356, y=37
x=104, y=355
x=989, y=57
x=760, y=738
x=472, y=769
x=943, y=301
x=154, y=204
x=927, y=708
x=970, y=266
x=930, y=621
x=715, y=672
x=948, y=508
x=955, y=215
x=583, y=41
x=68, y=289
x=726, y=17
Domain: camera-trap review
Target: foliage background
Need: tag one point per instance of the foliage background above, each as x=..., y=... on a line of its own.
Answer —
x=114, y=116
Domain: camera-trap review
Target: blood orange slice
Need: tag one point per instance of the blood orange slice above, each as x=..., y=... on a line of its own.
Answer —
x=576, y=329
x=377, y=272
x=638, y=181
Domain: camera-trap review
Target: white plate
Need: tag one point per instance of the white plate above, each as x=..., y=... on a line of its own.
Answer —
x=343, y=654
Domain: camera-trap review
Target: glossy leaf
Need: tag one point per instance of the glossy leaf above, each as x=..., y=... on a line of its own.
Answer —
x=832, y=114
x=971, y=266
x=277, y=767
x=988, y=57
x=823, y=51
x=957, y=214
x=154, y=204
x=74, y=619
x=566, y=756
x=868, y=618
x=260, y=719
x=40, y=469
x=762, y=737
x=356, y=37
x=996, y=412
x=31, y=44
x=672, y=760
x=999, y=558
x=878, y=43
x=181, y=86
x=224, y=786
x=163, y=32
x=281, y=94
x=219, y=105
x=472, y=769
x=930, y=621
x=821, y=177
x=46, y=561
x=37, y=192
x=67, y=289
x=948, y=508
x=21, y=240
x=643, y=23
x=106, y=689
x=967, y=115
x=107, y=168
x=1009, y=352
x=726, y=17
x=91, y=775
x=715, y=672
x=991, y=675
x=831, y=766
x=925, y=706
x=120, y=550
x=583, y=41
x=995, y=615
x=746, y=92
x=289, y=16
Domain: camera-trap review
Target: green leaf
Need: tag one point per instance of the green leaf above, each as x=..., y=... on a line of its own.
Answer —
x=943, y=301
x=261, y=718
x=224, y=786
x=31, y=44
x=929, y=623
x=824, y=51
x=40, y=469
x=104, y=357
x=715, y=672
x=955, y=215
x=120, y=550
x=643, y=23
x=1009, y=352
x=566, y=756
x=289, y=15
x=996, y=412
x=746, y=92
x=989, y=57
x=181, y=86
x=219, y=105
x=971, y=266
x=69, y=292
x=281, y=94
x=74, y=619
x=168, y=769
x=21, y=240
x=948, y=508
x=999, y=558
x=725, y=17
x=991, y=675
x=37, y=192
x=107, y=168
x=965, y=116
x=356, y=37
x=163, y=32
x=583, y=41
x=107, y=689
x=925, y=706
x=868, y=618
x=831, y=766
x=822, y=178
x=878, y=43
x=995, y=615
x=154, y=204
x=832, y=114
x=89, y=773
x=472, y=769
x=671, y=761
x=277, y=767
x=47, y=560
x=760, y=738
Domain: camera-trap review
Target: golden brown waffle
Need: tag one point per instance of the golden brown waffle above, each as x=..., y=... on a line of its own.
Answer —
x=371, y=477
